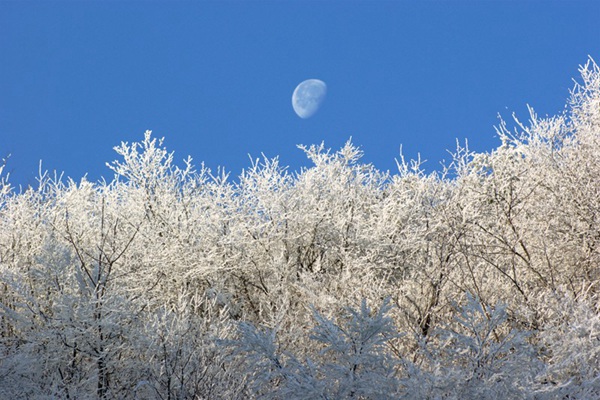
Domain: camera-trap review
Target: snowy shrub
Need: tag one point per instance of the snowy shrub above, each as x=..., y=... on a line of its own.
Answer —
x=570, y=341
x=353, y=361
x=479, y=356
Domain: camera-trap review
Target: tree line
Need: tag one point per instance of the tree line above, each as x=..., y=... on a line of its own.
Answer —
x=337, y=281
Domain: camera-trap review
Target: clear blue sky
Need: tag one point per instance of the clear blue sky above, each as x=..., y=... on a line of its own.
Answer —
x=216, y=78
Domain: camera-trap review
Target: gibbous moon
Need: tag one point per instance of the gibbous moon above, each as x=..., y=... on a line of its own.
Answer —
x=308, y=97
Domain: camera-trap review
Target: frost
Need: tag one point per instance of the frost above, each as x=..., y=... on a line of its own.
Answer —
x=336, y=281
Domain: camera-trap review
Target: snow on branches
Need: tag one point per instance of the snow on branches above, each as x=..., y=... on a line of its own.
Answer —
x=171, y=282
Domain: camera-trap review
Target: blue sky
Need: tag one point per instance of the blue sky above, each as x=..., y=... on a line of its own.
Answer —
x=216, y=78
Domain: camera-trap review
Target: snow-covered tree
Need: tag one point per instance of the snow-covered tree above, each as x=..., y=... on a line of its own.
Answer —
x=131, y=287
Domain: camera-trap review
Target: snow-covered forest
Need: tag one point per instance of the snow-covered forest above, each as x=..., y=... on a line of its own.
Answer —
x=479, y=281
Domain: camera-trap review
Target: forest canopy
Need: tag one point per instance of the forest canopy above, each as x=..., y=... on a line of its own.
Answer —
x=480, y=281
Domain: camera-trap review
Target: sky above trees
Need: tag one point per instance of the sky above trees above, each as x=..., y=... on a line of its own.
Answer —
x=216, y=79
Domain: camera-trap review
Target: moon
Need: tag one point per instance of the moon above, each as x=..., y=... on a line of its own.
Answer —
x=308, y=97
